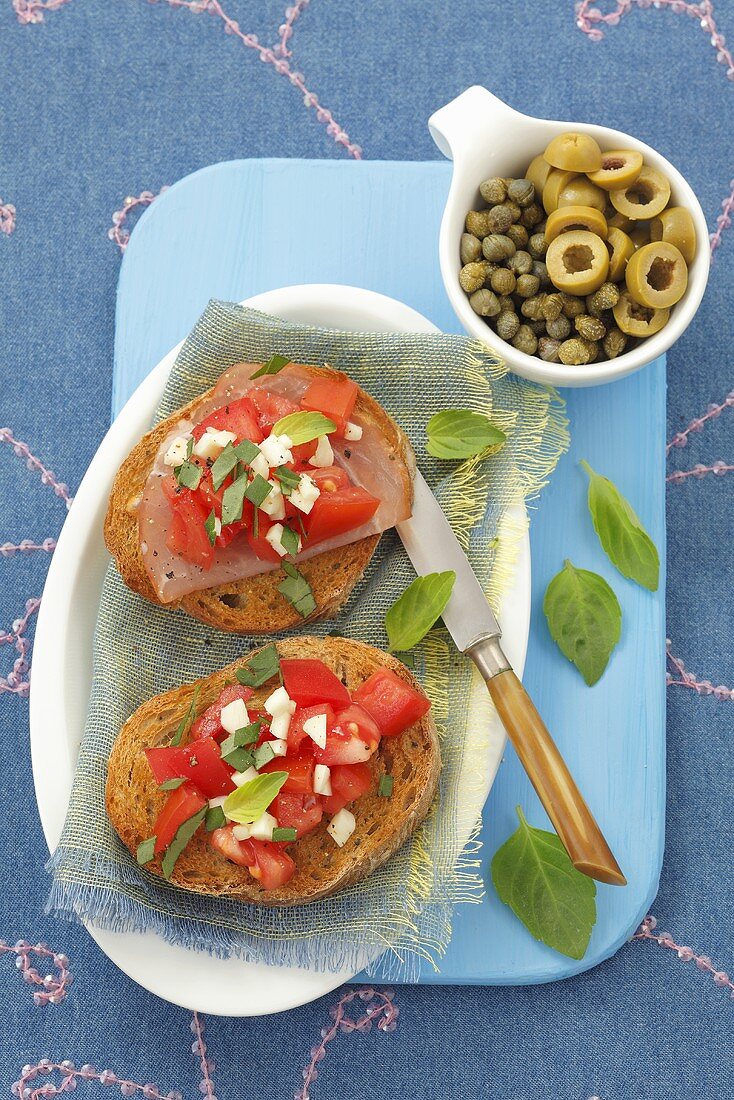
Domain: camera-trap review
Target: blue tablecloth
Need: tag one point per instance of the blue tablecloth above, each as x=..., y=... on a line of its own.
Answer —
x=101, y=101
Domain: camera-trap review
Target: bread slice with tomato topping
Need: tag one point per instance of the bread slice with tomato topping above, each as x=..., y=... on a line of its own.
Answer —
x=385, y=764
x=180, y=538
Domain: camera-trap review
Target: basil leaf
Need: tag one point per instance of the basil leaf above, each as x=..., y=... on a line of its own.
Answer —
x=584, y=618
x=190, y=446
x=172, y=784
x=274, y=364
x=285, y=833
x=625, y=541
x=188, y=719
x=179, y=842
x=297, y=591
x=261, y=667
x=460, y=433
x=262, y=755
x=533, y=875
x=224, y=465
x=215, y=819
x=146, y=851
x=386, y=785
x=289, y=479
x=251, y=800
x=246, y=451
x=238, y=758
x=188, y=474
x=233, y=499
x=210, y=526
x=245, y=735
x=289, y=540
x=258, y=490
x=414, y=613
x=302, y=427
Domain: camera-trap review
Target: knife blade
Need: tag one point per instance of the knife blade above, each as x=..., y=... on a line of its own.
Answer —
x=433, y=547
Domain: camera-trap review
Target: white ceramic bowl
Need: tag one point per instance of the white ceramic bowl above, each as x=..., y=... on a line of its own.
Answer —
x=485, y=137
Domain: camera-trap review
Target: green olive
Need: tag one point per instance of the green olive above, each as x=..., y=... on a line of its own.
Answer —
x=657, y=275
x=645, y=198
x=675, y=226
x=620, y=249
x=639, y=234
x=574, y=152
x=567, y=218
x=577, y=262
x=636, y=320
x=619, y=221
x=582, y=192
x=537, y=173
x=619, y=169
x=555, y=183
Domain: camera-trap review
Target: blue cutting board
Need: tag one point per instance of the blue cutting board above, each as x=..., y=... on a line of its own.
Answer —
x=243, y=227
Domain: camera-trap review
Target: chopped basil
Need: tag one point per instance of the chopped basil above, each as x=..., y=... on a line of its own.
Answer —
x=251, y=800
x=210, y=526
x=215, y=819
x=255, y=523
x=284, y=834
x=297, y=591
x=262, y=666
x=238, y=758
x=188, y=474
x=179, y=842
x=303, y=427
x=247, y=451
x=233, y=500
x=274, y=364
x=172, y=784
x=289, y=479
x=224, y=465
x=262, y=755
x=386, y=786
x=289, y=541
x=245, y=735
x=258, y=490
x=190, y=446
x=146, y=851
x=187, y=721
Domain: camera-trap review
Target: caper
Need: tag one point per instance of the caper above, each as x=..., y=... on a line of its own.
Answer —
x=532, y=215
x=606, y=297
x=485, y=303
x=470, y=249
x=472, y=276
x=507, y=302
x=552, y=306
x=499, y=218
x=559, y=328
x=591, y=328
x=537, y=246
x=527, y=286
x=493, y=190
x=514, y=209
x=614, y=343
x=477, y=223
x=540, y=271
x=507, y=324
x=576, y=352
x=502, y=281
x=525, y=340
x=521, y=191
x=497, y=247
x=532, y=308
x=518, y=234
x=572, y=305
x=521, y=263
x=538, y=327
x=548, y=349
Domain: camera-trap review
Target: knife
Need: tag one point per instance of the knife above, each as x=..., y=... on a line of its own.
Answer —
x=433, y=547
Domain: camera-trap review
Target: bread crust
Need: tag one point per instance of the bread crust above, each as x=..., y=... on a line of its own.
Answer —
x=413, y=758
x=253, y=605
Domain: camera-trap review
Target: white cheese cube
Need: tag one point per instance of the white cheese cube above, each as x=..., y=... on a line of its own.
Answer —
x=341, y=827
x=316, y=729
x=352, y=432
x=213, y=442
x=262, y=829
x=275, y=538
x=279, y=746
x=277, y=450
x=279, y=729
x=240, y=778
x=217, y=526
x=279, y=703
x=259, y=465
x=215, y=803
x=234, y=716
x=306, y=495
x=322, y=779
x=324, y=455
x=274, y=505
x=176, y=453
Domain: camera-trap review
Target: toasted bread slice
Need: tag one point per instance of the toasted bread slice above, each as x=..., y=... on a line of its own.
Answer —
x=383, y=825
x=253, y=605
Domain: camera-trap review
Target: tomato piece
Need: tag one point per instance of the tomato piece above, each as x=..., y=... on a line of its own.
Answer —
x=333, y=397
x=199, y=761
x=393, y=704
x=302, y=452
x=269, y=863
x=348, y=782
x=240, y=417
x=302, y=812
x=330, y=478
x=186, y=534
x=259, y=543
x=296, y=733
x=309, y=681
x=300, y=772
x=180, y=805
x=338, y=512
x=343, y=748
x=356, y=720
x=208, y=723
x=224, y=841
x=270, y=407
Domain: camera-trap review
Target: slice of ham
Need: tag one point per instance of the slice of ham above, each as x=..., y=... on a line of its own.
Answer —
x=371, y=463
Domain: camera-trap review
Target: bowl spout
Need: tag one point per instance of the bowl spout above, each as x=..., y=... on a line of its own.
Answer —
x=473, y=119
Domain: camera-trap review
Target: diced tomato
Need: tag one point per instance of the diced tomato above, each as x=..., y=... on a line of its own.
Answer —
x=348, y=782
x=269, y=863
x=180, y=805
x=343, y=748
x=208, y=723
x=186, y=534
x=296, y=732
x=333, y=397
x=240, y=417
x=393, y=704
x=302, y=452
x=330, y=478
x=224, y=841
x=301, y=812
x=259, y=543
x=356, y=720
x=211, y=498
x=270, y=407
x=309, y=682
x=338, y=512
x=199, y=761
x=300, y=772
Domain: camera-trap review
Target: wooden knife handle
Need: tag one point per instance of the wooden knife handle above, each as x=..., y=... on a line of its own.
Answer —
x=572, y=819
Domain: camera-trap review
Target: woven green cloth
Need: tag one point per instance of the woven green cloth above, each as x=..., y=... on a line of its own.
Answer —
x=404, y=908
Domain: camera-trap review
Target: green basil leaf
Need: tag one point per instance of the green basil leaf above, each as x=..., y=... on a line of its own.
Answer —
x=210, y=526
x=190, y=446
x=258, y=490
x=289, y=540
x=188, y=474
x=146, y=852
x=584, y=618
x=179, y=842
x=188, y=719
x=532, y=873
x=460, y=433
x=246, y=451
x=215, y=819
x=172, y=784
x=224, y=465
x=261, y=667
x=238, y=758
x=233, y=499
x=386, y=785
x=245, y=735
x=289, y=479
x=274, y=364
x=262, y=755
x=285, y=833
x=297, y=591
x=625, y=541
x=302, y=427
x=414, y=613
x=251, y=800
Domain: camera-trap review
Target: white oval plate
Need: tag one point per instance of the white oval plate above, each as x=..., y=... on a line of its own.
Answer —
x=62, y=663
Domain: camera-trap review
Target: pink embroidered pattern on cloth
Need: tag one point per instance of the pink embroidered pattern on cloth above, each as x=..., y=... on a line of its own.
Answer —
x=53, y=988
x=687, y=954
x=7, y=218
x=118, y=232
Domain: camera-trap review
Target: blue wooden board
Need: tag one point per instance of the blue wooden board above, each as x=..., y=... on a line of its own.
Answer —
x=243, y=227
